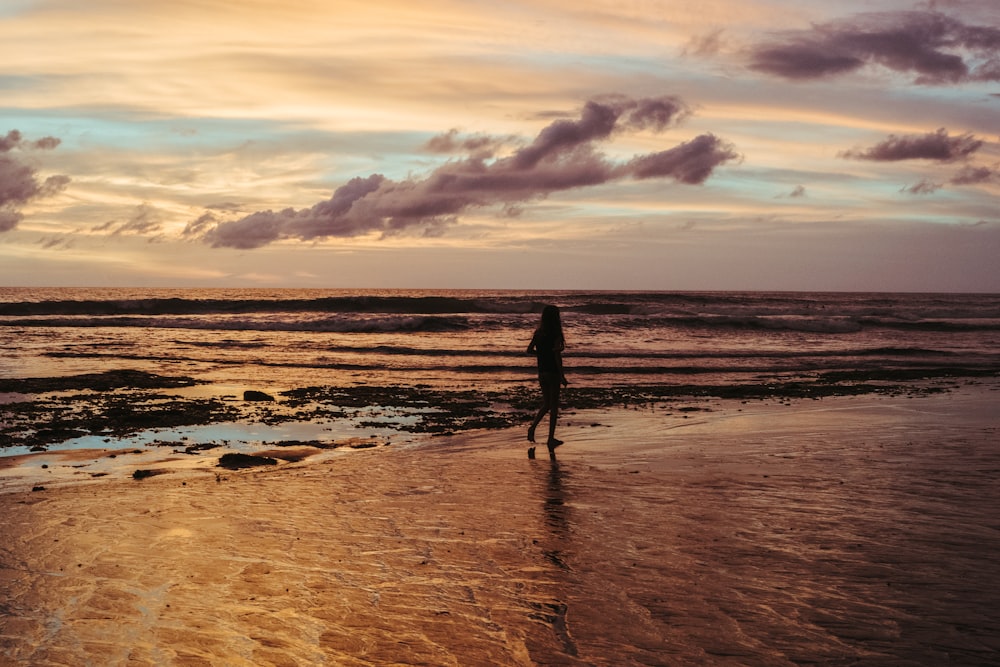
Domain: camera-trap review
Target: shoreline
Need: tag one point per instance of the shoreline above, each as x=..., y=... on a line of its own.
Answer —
x=41, y=413
x=118, y=428
x=858, y=528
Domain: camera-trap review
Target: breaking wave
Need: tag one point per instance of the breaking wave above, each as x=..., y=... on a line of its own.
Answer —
x=386, y=324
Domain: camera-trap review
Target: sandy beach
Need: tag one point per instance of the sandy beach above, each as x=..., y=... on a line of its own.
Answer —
x=848, y=530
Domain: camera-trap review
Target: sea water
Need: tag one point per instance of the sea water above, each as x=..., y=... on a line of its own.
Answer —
x=278, y=339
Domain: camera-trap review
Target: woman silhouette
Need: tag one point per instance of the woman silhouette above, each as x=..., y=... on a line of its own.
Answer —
x=547, y=345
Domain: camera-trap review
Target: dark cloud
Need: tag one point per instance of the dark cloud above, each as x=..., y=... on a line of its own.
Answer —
x=53, y=185
x=691, y=162
x=9, y=218
x=197, y=228
x=971, y=175
x=967, y=175
x=934, y=47
x=14, y=139
x=937, y=146
x=924, y=187
x=452, y=142
x=46, y=143
x=146, y=219
x=563, y=156
x=597, y=121
x=19, y=182
x=55, y=241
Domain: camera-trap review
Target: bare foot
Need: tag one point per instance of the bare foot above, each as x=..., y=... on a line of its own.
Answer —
x=531, y=434
x=553, y=443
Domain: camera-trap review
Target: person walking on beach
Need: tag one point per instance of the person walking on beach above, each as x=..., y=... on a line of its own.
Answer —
x=547, y=345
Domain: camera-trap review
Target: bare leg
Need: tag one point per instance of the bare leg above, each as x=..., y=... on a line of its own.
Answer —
x=552, y=398
x=538, y=419
x=550, y=405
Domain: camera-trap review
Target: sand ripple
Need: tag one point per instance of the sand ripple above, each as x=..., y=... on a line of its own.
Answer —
x=843, y=533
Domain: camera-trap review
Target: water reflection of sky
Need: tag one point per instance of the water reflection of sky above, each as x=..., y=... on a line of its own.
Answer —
x=11, y=397
x=240, y=436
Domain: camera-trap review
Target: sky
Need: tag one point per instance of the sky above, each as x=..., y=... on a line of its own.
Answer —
x=537, y=144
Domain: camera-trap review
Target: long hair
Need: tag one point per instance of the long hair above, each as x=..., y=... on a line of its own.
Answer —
x=551, y=325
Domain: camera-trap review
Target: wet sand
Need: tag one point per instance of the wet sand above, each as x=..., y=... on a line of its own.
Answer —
x=851, y=530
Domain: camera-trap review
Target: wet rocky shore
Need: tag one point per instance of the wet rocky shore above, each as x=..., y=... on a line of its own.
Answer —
x=42, y=412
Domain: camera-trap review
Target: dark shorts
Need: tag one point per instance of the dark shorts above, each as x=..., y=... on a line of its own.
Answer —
x=548, y=378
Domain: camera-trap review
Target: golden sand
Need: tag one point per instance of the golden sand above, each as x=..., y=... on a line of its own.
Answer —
x=842, y=531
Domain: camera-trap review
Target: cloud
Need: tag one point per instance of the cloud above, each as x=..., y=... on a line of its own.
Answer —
x=198, y=227
x=452, y=142
x=563, y=156
x=19, y=182
x=937, y=146
x=936, y=48
x=14, y=139
x=924, y=187
x=691, y=162
x=970, y=175
x=798, y=192
x=56, y=241
x=706, y=45
x=967, y=175
x=146, y=219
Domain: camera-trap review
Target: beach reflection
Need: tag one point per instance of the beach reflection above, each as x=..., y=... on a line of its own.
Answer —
x=557, y=515
x=556, y=549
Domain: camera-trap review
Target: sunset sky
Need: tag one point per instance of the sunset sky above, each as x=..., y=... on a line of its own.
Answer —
x=546, y=144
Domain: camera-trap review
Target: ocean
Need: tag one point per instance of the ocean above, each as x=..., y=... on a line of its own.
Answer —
x=673, y=527
x=279, y=339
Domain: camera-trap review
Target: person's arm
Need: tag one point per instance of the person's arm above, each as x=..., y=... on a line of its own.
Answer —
x=559, y=365
x=533, y=345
